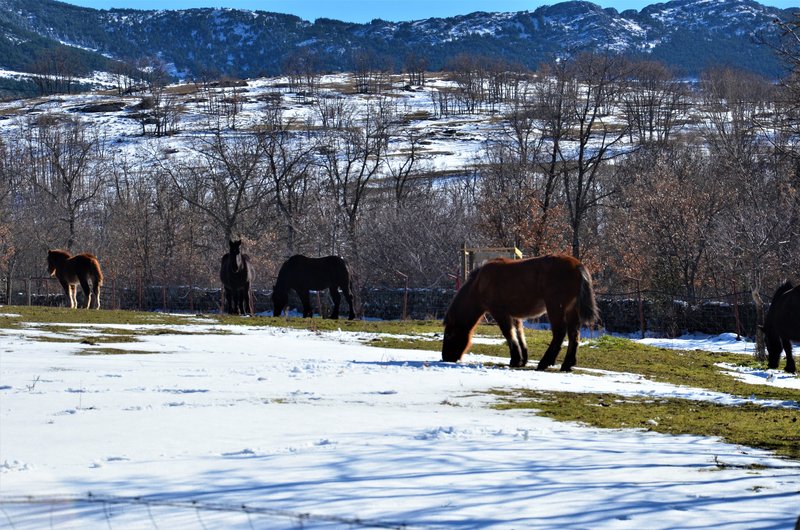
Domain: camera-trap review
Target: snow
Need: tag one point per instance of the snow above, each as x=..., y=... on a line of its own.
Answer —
x=278, y=428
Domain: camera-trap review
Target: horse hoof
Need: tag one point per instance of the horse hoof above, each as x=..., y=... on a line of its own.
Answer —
x=566, y=368
x=541, y=368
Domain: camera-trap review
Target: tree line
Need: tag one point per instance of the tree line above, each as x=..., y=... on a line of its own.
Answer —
x=684, y=188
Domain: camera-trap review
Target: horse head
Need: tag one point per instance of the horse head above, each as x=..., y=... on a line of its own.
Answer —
x=235, y=252
x=54, y=259
x=774, y=346
x=456, y=341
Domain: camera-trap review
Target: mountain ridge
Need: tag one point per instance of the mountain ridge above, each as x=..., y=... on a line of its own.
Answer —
x=689, y=35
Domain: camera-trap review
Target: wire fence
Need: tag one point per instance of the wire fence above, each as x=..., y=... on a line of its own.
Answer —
x=635, y=312
x=162, y=512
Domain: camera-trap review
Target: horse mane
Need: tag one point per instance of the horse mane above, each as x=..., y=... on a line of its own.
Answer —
x=463, y=292
x=785, y=287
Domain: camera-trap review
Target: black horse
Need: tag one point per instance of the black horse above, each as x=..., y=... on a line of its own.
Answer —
x=304, y=274
x=782, y=325
x=236, y=275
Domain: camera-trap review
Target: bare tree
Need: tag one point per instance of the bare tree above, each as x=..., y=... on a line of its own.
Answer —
x=415, y=66
x=302, y=67
x=351, y=156
x=289, y=165
x=736, y=106
x=406, y=169
x=585, y=138
x=56, y=70
x=64, y=168
x=666, y=226
x=655, y=102
x=224, y=180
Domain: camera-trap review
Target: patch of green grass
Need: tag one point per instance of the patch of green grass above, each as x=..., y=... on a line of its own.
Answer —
x=65, y=315
x=774, y=429
x=91, y=340
x=690, y=368
x=113, y=351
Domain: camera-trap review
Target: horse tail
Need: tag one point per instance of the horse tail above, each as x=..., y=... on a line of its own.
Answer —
x=98, y=272
x=347, y=274
x=587, y=305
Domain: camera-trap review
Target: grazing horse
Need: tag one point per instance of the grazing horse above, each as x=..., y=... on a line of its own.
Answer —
x=782, y=325
x=236, y=275
x=511, y=290
x=304, y=274
x=70, y=270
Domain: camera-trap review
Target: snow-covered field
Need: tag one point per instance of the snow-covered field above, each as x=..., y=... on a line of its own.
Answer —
x=245, y=427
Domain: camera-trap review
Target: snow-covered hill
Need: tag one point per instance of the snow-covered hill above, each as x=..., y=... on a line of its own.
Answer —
x=688, y=34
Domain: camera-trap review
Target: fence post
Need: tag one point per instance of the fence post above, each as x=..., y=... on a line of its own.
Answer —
x=641, y=307
x=139, y=289
x=405, y=295
x=736, y=312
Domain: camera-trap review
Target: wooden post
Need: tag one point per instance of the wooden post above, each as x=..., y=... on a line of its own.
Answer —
x=405, y=294
x=139, y=289
x=641, y=308
x=736, y=311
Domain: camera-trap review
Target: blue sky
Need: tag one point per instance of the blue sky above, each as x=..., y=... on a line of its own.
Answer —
x=366, y=10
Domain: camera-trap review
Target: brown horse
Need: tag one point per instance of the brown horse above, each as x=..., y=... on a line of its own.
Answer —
x=511, y=290
x=73, y=270
x=304, y=274
x=782, y=325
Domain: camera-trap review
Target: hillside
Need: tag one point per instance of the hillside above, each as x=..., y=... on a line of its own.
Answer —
x=687, y=34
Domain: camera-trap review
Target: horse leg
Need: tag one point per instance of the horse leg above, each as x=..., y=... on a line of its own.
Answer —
x=787, y=347
x=248, y=301
x=348, y=295
x=523, y=345
x=67, y=294
x=573, y=335
x=73, y=296
x=237, y=302
x=226, y=306
x=508, y=327
x=337, y=299
x=559, y=329
x=96, y=292
x=87, y=293
x=305, y=299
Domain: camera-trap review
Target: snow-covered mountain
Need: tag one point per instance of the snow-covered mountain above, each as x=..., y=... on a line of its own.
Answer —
x=688, y=34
